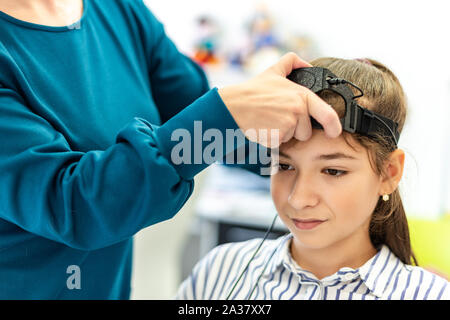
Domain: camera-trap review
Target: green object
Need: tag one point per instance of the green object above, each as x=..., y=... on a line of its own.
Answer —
x=430, y=241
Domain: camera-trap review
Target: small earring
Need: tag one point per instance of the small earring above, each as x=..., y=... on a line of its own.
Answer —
x=385, y=197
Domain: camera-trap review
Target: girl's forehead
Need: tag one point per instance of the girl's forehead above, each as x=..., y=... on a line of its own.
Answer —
x=320, y=143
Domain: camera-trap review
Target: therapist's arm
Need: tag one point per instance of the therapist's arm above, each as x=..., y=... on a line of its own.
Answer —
x=176, y=81
x=90, y=200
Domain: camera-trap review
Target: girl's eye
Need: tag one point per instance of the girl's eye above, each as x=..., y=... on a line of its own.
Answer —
x=284, y=167
x=335, y=172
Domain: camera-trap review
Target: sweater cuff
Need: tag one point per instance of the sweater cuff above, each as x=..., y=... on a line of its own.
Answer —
x=201, y=134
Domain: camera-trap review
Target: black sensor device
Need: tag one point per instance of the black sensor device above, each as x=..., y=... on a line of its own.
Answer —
x=357, y=119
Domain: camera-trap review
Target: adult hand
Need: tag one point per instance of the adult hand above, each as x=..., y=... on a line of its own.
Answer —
x=270, y=101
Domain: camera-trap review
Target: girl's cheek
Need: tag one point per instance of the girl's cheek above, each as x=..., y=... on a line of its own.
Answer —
x=279, y=200
x=279, y=190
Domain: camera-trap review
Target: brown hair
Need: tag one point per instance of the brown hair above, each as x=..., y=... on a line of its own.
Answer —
x=383, y=94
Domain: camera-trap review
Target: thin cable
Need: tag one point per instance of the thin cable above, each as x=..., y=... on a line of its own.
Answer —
x=343, y=81
x=336, y=81
x=254, y=254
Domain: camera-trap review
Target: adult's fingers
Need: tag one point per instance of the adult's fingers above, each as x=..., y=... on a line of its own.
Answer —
x=303, y=131
x=324, y=114
x=287, y=63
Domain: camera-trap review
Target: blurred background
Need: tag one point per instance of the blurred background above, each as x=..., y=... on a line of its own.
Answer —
x=234, y=40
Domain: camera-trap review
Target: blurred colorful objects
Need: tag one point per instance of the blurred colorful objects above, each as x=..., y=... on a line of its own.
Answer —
x=260, y=43
x=262, y=46
x=206, y=42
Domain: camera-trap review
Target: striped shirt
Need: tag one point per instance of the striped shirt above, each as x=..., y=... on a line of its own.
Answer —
x=274, y=275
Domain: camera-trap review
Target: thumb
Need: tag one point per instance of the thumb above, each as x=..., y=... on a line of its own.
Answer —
x=287, y=63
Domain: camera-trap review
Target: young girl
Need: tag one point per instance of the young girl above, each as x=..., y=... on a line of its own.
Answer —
x=339, y=198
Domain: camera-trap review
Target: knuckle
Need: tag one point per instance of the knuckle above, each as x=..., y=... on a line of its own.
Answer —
x=290, y=54
x=291, y=122
x=298, y=105
x=304, y=94
x=300, y=110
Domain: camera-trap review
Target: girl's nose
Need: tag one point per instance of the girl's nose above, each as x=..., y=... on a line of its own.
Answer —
x=303, y=194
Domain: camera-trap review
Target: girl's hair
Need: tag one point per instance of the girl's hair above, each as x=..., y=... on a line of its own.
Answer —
x=384, y=95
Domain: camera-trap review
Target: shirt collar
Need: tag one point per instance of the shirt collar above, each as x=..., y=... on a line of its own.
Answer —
x=376, y=273
x=379, y=270
x=282, y=251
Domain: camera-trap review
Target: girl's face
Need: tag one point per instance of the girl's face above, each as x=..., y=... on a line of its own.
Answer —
x=324, y=191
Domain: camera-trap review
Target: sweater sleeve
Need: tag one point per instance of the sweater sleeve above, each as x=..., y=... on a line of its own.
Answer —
x=176, y=80
x=90, y=200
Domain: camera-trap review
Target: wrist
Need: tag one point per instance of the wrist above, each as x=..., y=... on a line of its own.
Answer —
x=228, y=95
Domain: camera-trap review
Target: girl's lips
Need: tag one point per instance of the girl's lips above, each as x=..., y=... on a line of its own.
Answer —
x=307, y=224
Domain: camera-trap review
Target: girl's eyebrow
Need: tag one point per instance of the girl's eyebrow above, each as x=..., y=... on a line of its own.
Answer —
x=333, y=156
x=330, y=156
x=284, y=155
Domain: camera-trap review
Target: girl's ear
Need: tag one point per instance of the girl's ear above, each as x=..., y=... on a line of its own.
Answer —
x=394, y=171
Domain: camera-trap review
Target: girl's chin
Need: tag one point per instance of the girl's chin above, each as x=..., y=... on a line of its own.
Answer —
x=311, y=240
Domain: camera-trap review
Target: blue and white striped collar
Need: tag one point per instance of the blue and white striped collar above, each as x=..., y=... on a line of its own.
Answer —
x=375, y=273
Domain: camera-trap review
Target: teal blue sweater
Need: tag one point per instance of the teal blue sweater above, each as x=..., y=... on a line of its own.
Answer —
x=86, y=117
